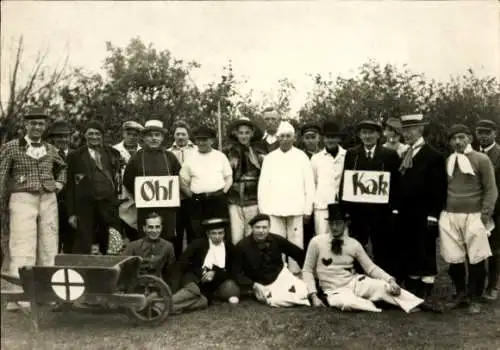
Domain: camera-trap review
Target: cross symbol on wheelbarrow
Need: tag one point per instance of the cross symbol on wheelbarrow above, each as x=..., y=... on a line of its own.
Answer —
x=67, y=284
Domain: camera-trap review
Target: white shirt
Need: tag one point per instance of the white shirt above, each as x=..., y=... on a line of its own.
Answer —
x=216, y=255
x=487, y=149
x=205, y=172
x=270, y=139
x=286, y=184
x=120, y=147
x=327, y=173
x=183, y=153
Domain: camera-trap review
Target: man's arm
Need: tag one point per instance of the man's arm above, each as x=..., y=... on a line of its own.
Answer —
x=70, y=186
x=238, y=270
x=227, y=172
x=309, y=186
x=310, y=266
x=185, y=179
x=291, y=250
x=438, y=187
x=490, y=193
x=60, y=169
x=129, y=176
x=5, y=170
x=263, y=185
x=368, y=265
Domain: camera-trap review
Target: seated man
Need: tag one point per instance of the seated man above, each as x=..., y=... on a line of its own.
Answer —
x=157, y=254
x=331, y=259
x=203, y=271
x=259, y=266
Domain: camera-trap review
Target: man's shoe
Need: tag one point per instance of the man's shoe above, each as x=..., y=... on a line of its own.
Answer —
x=458, y=301
x=474, y=308
x=491, y=295
x=428, y=306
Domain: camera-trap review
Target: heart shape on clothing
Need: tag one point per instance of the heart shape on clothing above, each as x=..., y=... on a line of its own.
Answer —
x=292, y=289
x=326, y=262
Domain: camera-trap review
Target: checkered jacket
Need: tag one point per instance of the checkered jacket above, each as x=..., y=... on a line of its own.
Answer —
x=21, y=173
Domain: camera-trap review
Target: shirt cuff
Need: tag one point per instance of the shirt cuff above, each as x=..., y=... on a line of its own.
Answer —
x=432, y=219
x=395, y=211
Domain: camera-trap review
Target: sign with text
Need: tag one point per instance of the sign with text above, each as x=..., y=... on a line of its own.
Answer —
x=157, y=191
x=363, y=186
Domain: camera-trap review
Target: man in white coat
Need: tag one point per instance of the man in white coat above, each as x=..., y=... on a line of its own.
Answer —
x=286, y=189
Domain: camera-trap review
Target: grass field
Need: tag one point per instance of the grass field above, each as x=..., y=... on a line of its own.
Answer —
x=250, y=325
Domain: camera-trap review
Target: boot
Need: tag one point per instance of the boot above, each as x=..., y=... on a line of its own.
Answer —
x=426, y=293
x=187, y=299
x=412, y=286
x=493, y=276
x=457, y=275
x=477, y=279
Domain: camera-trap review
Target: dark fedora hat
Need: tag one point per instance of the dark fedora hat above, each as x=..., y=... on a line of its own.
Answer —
x=458, y=129
x=214, y=223
x=59, y=127
x=486, y=124
x=35, y=113
x=330, y=128
x=369, y=124
x=204, y=132
x=233, y=128
x=336, y=212
x=310, y=127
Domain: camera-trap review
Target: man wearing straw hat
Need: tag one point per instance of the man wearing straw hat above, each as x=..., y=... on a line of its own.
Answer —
x=153, y=160
x=422, y=196
x=31, y=174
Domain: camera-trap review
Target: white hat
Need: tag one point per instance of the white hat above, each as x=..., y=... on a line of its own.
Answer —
x=153, y=125
x=132, y=125
x=285, y=128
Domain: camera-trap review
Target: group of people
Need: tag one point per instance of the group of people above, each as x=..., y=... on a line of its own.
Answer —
x=263, y=217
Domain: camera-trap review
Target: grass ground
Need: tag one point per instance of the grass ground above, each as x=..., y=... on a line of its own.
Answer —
x=250, y=325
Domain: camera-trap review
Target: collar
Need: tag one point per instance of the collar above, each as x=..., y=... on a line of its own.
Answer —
x=489, y=148
x=370, y=149
x=420, y=142
x=30, y=141
x=341, y=151
x=189, y=144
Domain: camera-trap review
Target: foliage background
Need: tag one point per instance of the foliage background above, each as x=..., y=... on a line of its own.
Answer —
x=139, y=83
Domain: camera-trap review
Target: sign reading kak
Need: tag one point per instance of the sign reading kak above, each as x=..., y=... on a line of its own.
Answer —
x=362, y=186
x=157, y=191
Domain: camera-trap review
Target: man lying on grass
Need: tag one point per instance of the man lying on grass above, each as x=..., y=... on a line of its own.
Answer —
x=330, y=257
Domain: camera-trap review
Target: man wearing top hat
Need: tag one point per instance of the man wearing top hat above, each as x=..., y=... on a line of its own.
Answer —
x=94, y=181
x=206, y=178
x=286, y=189
x=328, y=166
x=31, y=174
x=422, y=196
x=58, y=135
x=466, y=221
x=269, y=141
x=373, y=221
x=153, y=160
x=246, y=163
x=393, y=129
x=486, y=133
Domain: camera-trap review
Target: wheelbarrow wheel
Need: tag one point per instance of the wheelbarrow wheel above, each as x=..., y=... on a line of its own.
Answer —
x=158, y=297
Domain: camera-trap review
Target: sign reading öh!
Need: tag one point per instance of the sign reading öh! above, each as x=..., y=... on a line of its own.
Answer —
x=362, y=186
x=157, y=191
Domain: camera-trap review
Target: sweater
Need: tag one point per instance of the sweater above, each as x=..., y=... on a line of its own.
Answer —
x=286, y=184
x=158, y=254
x=473, y=193
x=336, y=271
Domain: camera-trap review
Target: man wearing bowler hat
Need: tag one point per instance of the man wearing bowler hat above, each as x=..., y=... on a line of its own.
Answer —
x=206, y=178
x=246, y=163
x=31, y=174
x=486, y=133
x=94, y=174
x=373, y=221
x=153, y=160
x=328, y=166
x=422, y=196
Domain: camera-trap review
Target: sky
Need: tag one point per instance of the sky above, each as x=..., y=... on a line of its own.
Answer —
x=265, y=40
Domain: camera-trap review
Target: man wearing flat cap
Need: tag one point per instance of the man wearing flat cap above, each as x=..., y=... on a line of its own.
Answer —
x=422, y=197
x=246, y=162
x=206, y=178
x=466, y=222
x=94, y=182
x=486, y=133
x=369, y=220
x=153, y=160
x=31, y=174
x=259, y=267
x=311, y=137
x=286, y=189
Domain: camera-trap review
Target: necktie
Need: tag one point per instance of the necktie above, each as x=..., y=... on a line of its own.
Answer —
x=98, y=159
x=369, y=154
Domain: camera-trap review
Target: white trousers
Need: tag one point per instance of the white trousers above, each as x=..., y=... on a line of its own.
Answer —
x=362, y=291
x=286, y=290
x=320, y=221
x=239, y=217
x=33, y=230
x=290, y=227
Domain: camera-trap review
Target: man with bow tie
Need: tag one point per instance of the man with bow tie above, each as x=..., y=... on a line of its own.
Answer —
x=31, y=172
x=94, y=174
x=422, y=196
x=373, y=221
x=466, y=221
x=258, y=266
x=486, y=132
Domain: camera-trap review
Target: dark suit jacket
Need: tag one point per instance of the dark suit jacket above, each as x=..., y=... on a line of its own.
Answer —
x=80, y=173
x=384, y=159
x=494, y=155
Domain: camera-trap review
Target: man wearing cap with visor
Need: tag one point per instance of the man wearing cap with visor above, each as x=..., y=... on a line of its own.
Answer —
x=31, y=173
x=422, y=197
x=205, y=178
x=94, y=181
x=286, y=189
x=486, y=133
x=466, y=221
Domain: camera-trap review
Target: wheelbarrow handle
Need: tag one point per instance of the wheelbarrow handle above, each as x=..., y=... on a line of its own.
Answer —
x=11, y=279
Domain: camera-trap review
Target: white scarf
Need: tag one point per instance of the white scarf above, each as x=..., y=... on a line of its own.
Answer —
x=216, y=255
x=463, y=162
x=35, y=152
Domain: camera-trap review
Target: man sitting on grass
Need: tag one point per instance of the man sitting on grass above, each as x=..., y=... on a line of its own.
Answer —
x=331, y=259
x=157, y=254
x=259, y=266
